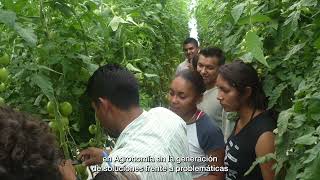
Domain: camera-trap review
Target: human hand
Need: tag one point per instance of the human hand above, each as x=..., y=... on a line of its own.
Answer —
x=91, y=156
x=67, y=171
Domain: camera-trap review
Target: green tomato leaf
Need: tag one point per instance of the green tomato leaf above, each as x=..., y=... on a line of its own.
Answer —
x=317, y=43
x=48, y=69
x=307, y=139
x=27, y=34
x=129, y=19
x=298, y=120
x=314, y=108
x=237, y=11
x=275, y=94
x=44, y=83
x=38, y=100
x=64, y=8
x=260, y=160
x=283, y=120
x=292, y=20
x=114, y=23
x=294, y=50
x=312, y=172
x=292, y=171
x=257, y=18
x=8, y=18
x=255, y=47
x=130, y=67
x=150, y=75
x=312, y=153
x=308, y=2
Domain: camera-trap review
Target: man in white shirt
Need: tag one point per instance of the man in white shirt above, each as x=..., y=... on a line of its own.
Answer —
x=148, y=142
x=210, y=59
x=190, y=49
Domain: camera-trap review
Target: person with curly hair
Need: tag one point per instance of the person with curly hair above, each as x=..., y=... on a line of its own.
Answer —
x=28, y=150
x=204, y=136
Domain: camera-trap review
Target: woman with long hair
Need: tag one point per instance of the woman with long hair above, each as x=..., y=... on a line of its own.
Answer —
x=240, y=91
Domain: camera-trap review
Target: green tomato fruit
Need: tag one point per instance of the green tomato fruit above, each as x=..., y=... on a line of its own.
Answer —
x=259, y=71
x=92, y=142
x=5, y=59
x=92, y=129
x=2, y=87
x=3, y=74
x=84, y=74
x=53, y=125
x=65, y=108
x=50, y=107
x=65, y=121
x=2, y=102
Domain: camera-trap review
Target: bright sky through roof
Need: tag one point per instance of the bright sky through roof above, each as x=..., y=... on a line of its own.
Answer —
x=192, y=21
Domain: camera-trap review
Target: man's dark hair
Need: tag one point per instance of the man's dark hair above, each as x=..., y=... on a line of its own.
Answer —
x=116, y=84
x=195, y=79
x=191, y=40
x=241, y=75
x=28, y=150
x=213, y=52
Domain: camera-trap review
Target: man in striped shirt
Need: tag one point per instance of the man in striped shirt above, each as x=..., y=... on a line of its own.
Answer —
x=148, y=142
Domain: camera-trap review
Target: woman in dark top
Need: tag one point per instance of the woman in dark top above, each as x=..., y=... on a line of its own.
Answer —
x=240, y=91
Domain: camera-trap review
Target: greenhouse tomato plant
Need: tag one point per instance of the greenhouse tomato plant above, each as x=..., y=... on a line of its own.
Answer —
x=49, y=49
x=282, y=41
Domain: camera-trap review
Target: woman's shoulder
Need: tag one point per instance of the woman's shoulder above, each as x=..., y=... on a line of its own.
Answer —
x=210, y=136
x=265, y=119
x=206, y=124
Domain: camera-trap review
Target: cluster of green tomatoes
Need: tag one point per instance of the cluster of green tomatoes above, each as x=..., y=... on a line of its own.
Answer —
x=65, y=109
x=4, y=74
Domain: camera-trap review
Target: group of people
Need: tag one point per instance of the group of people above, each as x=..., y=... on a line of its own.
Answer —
x=170, y=143
x=233, y=87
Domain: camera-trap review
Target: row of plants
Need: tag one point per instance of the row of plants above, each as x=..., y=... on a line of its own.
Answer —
x=281, y=38
x=49, y=49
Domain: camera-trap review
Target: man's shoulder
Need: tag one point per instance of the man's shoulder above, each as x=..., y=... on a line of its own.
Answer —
x=182, y=66
x=211, y=92
x=161, y=111
x=165, y=116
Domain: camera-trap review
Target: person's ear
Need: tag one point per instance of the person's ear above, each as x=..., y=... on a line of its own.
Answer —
x=247, y=92
x=103, y=103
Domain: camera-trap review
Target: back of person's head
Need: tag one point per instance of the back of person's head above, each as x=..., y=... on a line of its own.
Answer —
x=28, y=151
x=116, y=84
x=213, y=52
x=194, y=78
x=241, y=75
x=109, y=175
x=191, y=40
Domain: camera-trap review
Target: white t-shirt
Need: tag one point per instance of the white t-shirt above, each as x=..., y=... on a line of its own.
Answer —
x=212, y=107
x=182, y=66
x=158, y=133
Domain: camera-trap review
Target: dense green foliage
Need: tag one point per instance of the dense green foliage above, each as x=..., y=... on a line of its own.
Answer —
x=282, y=40
x=49, y=49
x=54, y=46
